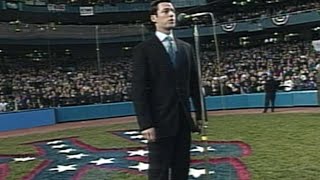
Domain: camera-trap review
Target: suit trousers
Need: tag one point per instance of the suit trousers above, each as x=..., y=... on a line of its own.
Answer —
x=269, y=99
x=169, y=157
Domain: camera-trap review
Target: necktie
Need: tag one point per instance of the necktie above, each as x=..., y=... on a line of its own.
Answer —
x=170, y=49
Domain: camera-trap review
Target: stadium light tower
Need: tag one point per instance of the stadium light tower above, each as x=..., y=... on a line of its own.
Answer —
x=98, y=49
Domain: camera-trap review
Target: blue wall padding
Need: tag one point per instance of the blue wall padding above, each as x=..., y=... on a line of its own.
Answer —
x=26, y=119
x=96, y=111
x=305, y=98
x=34, y=118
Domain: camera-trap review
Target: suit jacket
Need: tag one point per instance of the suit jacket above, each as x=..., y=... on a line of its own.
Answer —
x=271, y=86
x=160, y=91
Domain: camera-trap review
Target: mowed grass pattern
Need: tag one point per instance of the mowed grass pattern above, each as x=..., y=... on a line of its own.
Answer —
x=284, y=146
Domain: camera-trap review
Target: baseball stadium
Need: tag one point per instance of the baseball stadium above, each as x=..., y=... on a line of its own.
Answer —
x=67, y=98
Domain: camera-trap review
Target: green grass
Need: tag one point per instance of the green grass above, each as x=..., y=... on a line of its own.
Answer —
x=284, y=146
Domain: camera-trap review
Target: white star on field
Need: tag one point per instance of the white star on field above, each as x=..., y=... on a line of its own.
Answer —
x=77, y=156
x=67, y=150
x=24, y=159
x=103, y=161
x=59, y=146
x=55, y=142
x=201, y=149
x=131, y=132
x=141, y=166
x=139, y=152
x=198, y=172
x=61, y=168
x=136, y=137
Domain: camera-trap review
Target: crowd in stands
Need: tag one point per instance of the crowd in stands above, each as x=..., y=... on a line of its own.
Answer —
x=94, y=2
x=29, y=87
x=245, y=70
x=239, y=71
x=263, y=10
x=224, y=12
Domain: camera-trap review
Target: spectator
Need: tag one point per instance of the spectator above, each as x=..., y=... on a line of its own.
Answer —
x=271, y=87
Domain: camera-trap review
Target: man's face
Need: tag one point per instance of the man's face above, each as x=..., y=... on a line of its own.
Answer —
x=165, y=19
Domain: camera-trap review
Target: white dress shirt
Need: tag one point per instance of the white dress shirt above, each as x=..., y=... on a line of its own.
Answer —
x=162, y=36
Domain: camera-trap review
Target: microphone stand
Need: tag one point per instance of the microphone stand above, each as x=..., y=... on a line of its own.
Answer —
x=218, y=57
x=204, y=117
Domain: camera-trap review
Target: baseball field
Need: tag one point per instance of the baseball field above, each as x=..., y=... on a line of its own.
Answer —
x=242, y=144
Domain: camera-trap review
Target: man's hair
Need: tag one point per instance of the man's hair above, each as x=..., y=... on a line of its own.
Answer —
x=154, y=6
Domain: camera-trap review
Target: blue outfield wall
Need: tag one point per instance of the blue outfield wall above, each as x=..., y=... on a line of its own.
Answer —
x=96, y=111
x=35, y=118
x=26, y=119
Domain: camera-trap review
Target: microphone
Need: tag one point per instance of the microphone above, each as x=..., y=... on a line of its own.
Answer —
x=183, y=16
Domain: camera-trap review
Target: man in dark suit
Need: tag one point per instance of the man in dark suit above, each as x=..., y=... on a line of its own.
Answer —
x=270, y=88
x=164, y=77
